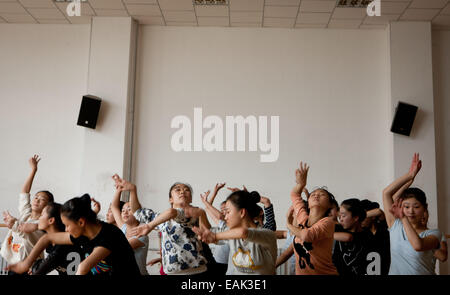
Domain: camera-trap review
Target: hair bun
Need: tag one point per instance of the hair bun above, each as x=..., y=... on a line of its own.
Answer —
x=255, y=197
x=85, y=200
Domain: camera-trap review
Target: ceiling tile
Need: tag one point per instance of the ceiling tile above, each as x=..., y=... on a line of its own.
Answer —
x=150, y=20
x=12, y=7
x=46, y=13
x=246, y=5
x=310, y=26
x=282, y=2
x=213, y=10
x=107, y=4
x=86, y=9
x=280, y=11
x=428, y=4
x=182, y=24
x=419, y=14
x=344, y=23
x=279, y=22
x=53, y=21
x=446, y=10
x=144, y=9
x=317, y=6
x=393, y=7
x=349, y=13
x=382, y=19
x=213, y=21
x=140, y=1
x=253, y=25
x=246, y=17
x=442, y=20
x=18, y=18
x=37, y=3
x=111, y=12
x=313, y=18
x=176, y=4
x=180, y=16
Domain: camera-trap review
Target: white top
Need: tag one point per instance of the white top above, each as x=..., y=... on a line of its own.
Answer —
x=139, y=253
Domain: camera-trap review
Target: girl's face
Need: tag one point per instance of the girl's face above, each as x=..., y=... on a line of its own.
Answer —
x=39, y=202
x=74, y=228
x=233, y=216
x=319, y=198
x=180, y=195
x=346, y=219
x=127, y=215
x=414, y=210
x=44, y=223
x=110, y=217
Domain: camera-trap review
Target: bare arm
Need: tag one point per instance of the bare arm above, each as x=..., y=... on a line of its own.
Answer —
x=124, y=185
x=285, y=255
x=343, y=237
x=92, y=260
x=29, y=181
x=281, y=234
x=217, y=188
x=418, y=243
x=397, y=187
x=145, y=229
x=115, y=208
x=442, y=252
x=210, y=209
x=45, y=241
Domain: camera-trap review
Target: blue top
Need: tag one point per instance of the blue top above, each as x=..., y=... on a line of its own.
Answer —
x=404, y=259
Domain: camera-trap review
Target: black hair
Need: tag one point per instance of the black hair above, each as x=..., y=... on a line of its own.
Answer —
x=369, y=205
x=50, y=197
x=246, y=200
x=79, y=207
x=416, y=193
x=54, y=211
x=334, y=203
x=121, y=203
x=354, y=206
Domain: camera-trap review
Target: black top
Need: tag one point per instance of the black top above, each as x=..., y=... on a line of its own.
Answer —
x=381, y=244
x=63, y=258
x=121, y=261
x=351, y=258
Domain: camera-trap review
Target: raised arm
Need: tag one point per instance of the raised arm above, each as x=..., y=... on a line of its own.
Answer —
x=269, y=214
x=29, y=181
x=45, y=241
x=397, y=187
x=285, y=255
x=419, y=244
x=115, y=208
x=210, y=209
x=128, y=186
x=442, y=252
x=217, y=188
x=298, y=204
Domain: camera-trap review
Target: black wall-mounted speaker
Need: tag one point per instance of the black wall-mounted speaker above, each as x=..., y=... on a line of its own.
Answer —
x=90, y=107
x=404, y=118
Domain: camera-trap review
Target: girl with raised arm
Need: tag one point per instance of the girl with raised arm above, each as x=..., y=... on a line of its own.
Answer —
x=253, y=250
x=412, y=243
x=106, y=247
x=314, y=235
x=24, y=233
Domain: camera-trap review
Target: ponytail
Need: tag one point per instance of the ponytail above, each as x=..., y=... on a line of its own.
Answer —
x=79, y=207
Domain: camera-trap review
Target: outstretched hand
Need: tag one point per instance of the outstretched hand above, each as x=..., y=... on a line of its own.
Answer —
x=301, y=174
x=397, y=209
x=140, y=231
x=235, y=189
x=8, y=219
x=33, y=161
x=95, y=205
x=121, y=184
x=204, y=234
x=204, y=197
x=219, y=186
x=416, y=165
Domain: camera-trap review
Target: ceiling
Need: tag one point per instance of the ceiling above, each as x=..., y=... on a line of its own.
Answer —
x=237, y=13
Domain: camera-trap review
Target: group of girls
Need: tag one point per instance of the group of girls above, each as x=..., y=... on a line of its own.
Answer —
x=355, y=238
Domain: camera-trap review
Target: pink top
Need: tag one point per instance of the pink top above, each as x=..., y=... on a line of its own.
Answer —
x=313, y=258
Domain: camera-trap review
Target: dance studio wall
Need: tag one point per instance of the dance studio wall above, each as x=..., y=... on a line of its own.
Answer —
x=330, y=89
x=43, y=76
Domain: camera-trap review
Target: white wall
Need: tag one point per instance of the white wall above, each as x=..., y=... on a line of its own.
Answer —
x=43, y=76
x=441, y=75
x=329, y=87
